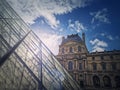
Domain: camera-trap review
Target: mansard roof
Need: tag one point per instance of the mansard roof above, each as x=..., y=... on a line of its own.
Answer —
x=73, y=37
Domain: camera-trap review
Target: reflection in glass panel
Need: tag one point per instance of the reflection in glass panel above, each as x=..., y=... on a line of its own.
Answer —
x=30, y=64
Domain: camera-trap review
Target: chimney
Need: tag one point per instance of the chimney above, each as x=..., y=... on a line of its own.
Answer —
x=83, y=37
x=63, y=38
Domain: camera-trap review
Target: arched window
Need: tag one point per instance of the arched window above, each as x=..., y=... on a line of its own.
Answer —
x=117, y=81
x=96, y=81
x=79, y=49
x=71, y=50
x=107, y=81
x=81, y=84
x=70, y=65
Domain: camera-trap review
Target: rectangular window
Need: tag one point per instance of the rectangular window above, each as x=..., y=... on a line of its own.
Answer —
x=80, y=66
x=93, y=58
x=94, y=66
x=71, y=49
x=79, y=49
x=102, y=58
x=113, y=66
x=104, y=66
x=62, y=50
x=111, y=57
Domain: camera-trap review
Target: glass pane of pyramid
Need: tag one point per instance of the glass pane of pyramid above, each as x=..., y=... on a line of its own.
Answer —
x=25, y=62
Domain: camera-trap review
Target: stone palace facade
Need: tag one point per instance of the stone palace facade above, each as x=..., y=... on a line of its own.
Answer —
x=93, y=71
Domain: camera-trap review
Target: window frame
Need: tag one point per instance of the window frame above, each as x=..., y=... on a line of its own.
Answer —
x=70, y=65
x=79, y=48
x=71, y=50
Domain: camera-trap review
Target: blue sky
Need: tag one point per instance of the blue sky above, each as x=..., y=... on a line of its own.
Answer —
x=52, y=19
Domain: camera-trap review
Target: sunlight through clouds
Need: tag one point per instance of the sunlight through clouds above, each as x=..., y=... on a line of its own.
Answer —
x=51, y=40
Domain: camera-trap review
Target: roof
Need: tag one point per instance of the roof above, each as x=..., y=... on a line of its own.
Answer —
x=73, y=37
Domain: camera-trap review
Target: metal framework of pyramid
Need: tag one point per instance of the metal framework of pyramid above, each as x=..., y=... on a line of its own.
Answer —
x=25, y=62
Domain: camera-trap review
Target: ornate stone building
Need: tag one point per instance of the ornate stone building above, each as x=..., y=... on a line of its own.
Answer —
x=93, y=71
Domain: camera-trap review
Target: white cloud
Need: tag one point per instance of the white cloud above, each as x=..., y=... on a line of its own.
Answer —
x=30, y=10
x=98, y=45
x=76, y=26
x=51, y=20
x=61, y=29
x=51, y=40
x=98, y=42
x=100, y=16
x=102, y=34
x=110, y=37
x=97, y=48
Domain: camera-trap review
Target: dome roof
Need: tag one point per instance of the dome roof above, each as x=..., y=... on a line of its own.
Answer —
x=73, y=37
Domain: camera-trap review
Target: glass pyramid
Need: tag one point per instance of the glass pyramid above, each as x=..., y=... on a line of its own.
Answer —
x=25, y=62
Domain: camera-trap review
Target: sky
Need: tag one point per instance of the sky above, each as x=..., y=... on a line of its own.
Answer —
x=53, y=19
